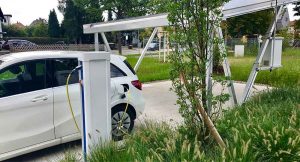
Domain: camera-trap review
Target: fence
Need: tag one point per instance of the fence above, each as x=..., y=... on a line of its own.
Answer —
x=55, y=47
x=252, y=44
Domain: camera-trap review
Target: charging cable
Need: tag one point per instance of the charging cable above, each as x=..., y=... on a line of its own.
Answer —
x=71, y=107
x=68, y=96
x=126, y=109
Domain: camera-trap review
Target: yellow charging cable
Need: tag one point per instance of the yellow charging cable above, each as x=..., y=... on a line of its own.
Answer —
x=69, y=100
x=71, y=107
x=126, y=108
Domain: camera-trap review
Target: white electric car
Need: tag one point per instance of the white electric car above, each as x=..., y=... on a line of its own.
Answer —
x=34, y=110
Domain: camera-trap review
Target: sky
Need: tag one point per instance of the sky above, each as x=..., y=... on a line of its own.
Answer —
x=25, y=11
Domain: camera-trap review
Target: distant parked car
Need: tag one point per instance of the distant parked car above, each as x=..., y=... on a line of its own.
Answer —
x=60, y=42
x=1, y=44
x=18, y=43
x=153, y=46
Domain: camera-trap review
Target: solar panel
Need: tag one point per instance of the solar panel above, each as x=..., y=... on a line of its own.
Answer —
x=231, y=9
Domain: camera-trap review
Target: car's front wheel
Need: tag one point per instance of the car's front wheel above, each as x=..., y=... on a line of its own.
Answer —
x=122, y=122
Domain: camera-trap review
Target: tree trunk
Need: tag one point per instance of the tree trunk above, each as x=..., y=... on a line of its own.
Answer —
x=207, y=121
x=119, y=43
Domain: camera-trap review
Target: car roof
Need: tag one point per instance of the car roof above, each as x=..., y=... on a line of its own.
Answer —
x=49, y=54
x=11, y=40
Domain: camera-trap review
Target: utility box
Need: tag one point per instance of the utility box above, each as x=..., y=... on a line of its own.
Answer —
x=272, y=57
x=239, y=51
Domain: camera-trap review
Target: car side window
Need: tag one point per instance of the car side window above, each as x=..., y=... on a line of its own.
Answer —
x=61, y=70
x=22, y=78
x=116, y=72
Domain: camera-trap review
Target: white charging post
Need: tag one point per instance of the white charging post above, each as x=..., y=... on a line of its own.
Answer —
x=95, y=94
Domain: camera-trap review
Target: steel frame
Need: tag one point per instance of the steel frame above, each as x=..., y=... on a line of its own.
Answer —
x=231, y=9
x=256, y=66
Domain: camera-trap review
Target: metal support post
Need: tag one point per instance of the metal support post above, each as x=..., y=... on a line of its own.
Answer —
x=165, y=43
x=168, y=45
x=105, y=42
x=96, y=36
x=226, y=67
x=261, y=54
x=1, y=35
x=145, y=49
x=159, y=48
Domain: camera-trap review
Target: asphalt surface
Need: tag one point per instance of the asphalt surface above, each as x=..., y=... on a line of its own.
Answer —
x=160, y=106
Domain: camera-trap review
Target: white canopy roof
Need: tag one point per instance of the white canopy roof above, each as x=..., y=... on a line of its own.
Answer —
x=230, y=9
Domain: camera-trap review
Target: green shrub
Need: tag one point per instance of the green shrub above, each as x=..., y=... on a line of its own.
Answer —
x=151, y=142
x=264, y=129
x=267, y=128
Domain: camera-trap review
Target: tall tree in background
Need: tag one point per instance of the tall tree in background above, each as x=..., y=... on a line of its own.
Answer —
x=53, y=25
x=76, y=13
x=255, y=23
x=158, y=6
x=92, y=10
x=125, y=9
x=73, y=20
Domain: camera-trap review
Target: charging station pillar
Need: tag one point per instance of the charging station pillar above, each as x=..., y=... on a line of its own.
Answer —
x=95, y=94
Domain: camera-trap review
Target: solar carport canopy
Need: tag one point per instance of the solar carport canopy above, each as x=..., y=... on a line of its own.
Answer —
x=231, y=9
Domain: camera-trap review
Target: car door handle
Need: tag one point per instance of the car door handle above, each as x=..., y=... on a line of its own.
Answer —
x=41, y=98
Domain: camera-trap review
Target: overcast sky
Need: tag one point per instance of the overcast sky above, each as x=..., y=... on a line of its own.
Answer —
x=25, y=11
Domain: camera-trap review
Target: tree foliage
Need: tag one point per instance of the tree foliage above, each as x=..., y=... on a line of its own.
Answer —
x=76, y=13
x=126, y=8
x=14, y=31
x=40, y=30
x=255, y=23
x=53, y=25
x=158, y=6
x=73, y=20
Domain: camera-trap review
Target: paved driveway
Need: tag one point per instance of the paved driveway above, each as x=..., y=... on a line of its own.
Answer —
x=160, y=106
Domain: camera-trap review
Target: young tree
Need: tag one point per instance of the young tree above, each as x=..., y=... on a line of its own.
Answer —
x=53, y=25
x=193, y=30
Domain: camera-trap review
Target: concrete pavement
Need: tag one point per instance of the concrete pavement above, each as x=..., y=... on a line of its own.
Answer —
x=160, y=106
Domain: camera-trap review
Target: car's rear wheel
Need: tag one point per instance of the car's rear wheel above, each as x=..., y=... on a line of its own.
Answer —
x=122, y=122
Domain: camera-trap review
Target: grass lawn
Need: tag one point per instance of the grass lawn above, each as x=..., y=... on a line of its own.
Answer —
x=151, y=69
x=288, y=75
